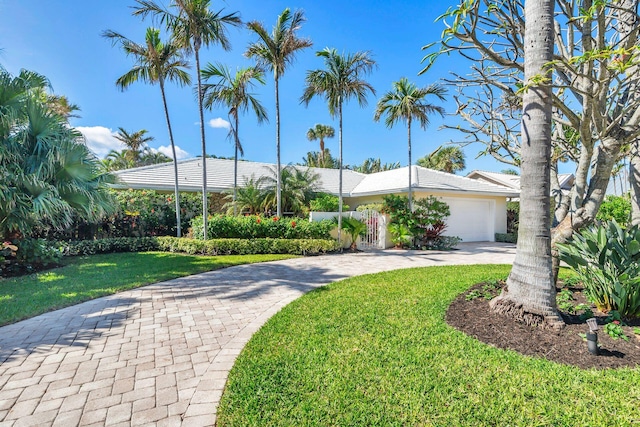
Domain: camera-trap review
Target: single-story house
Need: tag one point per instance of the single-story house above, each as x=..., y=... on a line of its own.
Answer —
x=478, y=208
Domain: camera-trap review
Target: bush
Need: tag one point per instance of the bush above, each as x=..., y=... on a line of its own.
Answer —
x=507, y=237
x=616, y=208
x=326, y=203
x=247, y=247
x=116, y=244
x=256, y=227
x=606, y=258
x=27, y=255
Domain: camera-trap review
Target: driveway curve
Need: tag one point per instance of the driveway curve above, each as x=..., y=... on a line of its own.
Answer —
x=160, y=355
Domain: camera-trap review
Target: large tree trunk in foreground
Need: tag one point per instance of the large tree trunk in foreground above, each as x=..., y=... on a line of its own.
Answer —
x=530, y=292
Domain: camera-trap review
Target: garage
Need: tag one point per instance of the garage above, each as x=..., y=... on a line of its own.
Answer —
x=471, y=219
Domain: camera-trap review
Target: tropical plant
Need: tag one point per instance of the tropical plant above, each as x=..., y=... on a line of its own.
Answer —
x=46, y=169
x=151, y=157
x=320, y=132
x=446, y=159
x=193, y=25
x=232, y=91
x=606, y=259
x=616, y=208
x=400, y=235
x=372, y=165
x=276, y=51
x=355, y=228
x=298, y=186
x=407, y=102
x=155, y=62
x=117, y=160
x=315, y=159
x=428, y=224
x=248, y=198
x=135, y=142
x=341, y=80
x=325, y=203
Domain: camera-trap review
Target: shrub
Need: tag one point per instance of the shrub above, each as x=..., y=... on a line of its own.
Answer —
x=616, y=208
x=507, y=237
x=247, y=247
x=27, y=255
x=606, y=259
x=400, y=235
x=326, y=203
x=116, y=244
x=253, y=227
x=370, y=206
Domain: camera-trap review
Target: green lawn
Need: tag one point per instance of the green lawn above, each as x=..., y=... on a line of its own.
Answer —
x=85, y=278
x=375, y=351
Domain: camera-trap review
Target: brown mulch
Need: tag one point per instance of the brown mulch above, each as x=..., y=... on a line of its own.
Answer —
x=474, y=318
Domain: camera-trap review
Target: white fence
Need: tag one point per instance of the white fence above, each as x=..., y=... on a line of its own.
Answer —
x=376, y=236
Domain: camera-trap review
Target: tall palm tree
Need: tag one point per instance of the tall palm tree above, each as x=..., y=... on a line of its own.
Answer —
x=275, y=51
x=320, y=132
x=530, y=294
x=373, y=165
x=193, y=26
x=316, y=160
x=340, y=81
x=446, y=159
x=407, y=102
x=117, y=160
x=299, y=185
x=135, y=142
x=156, y=62
x=232, y=91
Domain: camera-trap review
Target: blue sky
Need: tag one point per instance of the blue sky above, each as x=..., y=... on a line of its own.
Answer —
x=62, y=40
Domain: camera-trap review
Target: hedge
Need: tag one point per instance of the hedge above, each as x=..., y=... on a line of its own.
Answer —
x=192, y=246
x=254, y=226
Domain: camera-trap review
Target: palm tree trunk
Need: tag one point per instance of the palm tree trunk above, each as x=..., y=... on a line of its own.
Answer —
x=409, y=142
x=205, y=210
x=278, y=177
x=530, y=292
x=322, y=151
x=235, y=169
x=340, y=178
x=175, y=160
x=634, y=182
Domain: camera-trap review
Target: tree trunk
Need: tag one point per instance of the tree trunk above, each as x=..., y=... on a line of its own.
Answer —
x=634, y=182
x=340, y=176
x=235, y=167
x=278, y=168
x=205, y=210
x=530, y=292
x=175, y=160
x=409, y=144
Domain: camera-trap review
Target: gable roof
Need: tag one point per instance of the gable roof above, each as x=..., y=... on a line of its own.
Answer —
x=354, y=184
x=513, y=181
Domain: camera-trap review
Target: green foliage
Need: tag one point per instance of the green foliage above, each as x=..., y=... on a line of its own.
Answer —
x=27, y=255
x=354, y=227
x=109, y=245
x=507, y=237
x=400, y=234
x=397, y=207
x=326, y=203
x=253, y=226
x=370, y=206
x=247, y=246
x=606, y=259
x=513, y=218
x=617, y=208
x=614, y=330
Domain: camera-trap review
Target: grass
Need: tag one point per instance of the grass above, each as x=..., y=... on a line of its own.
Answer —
x=84, y=278
x=374, y=350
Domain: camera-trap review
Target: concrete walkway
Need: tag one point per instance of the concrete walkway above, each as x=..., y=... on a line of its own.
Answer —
x=160, y=355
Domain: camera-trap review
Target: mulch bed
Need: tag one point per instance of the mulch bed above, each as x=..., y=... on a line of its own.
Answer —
x=473, y=317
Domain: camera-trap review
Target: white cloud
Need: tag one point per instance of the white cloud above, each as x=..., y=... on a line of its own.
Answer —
x=100, y=140
x=166, y=150
x=219, y=123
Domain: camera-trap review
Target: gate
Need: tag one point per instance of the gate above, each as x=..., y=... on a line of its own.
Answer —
x=375, y=235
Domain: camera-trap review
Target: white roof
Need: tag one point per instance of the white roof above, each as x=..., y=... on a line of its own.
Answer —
x=354, y=184
x=513, y=181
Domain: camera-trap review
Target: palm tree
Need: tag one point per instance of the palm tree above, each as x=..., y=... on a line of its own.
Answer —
x=46, y=170
x=117, y=160
x=320, y=132
x=446, y=159
x=373, y=165
x=135, y=143
x=193, y=26
x=232, y=92
x=275, y=51
x=299, y=185
x=151, y=157
x=249, y=197
x=155, y=62
x=341, y=80
x=315, y=160
x=530, y=293
x=407, y=102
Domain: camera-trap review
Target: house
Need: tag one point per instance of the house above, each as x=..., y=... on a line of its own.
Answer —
x=478, y=208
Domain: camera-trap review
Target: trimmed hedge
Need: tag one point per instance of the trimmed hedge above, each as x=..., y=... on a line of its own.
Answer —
x=192, y=246
x=507, y=237
x=256, y=227
x=248, y=246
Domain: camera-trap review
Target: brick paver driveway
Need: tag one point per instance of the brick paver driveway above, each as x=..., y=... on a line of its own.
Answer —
x=160, y=355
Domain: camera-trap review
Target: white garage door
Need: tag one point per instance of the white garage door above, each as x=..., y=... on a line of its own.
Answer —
x=471, y=219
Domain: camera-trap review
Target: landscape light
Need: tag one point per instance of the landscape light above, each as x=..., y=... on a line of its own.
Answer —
x=592, y=336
